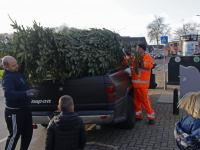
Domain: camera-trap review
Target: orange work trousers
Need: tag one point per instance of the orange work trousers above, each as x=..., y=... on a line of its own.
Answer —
x=141, y=97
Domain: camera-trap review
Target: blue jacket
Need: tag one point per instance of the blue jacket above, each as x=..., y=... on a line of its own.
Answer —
x=187, y=133
x=15, y=86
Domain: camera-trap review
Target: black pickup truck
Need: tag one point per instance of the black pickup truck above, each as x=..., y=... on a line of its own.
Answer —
x=97, y=99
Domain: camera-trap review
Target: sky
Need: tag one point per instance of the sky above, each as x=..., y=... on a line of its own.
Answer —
x=126, y=17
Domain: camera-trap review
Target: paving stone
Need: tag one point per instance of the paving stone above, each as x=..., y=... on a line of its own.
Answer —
x=149, y=148
x=142, y=148
x=164, y=145
x=131, y=144
x=134, y=148
x=124, y=146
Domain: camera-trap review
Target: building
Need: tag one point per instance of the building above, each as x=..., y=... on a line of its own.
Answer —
x=172, y=48
x=133, y=41
x=155, y=51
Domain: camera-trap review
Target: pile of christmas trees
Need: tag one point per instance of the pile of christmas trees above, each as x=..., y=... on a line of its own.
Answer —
x=43, y=53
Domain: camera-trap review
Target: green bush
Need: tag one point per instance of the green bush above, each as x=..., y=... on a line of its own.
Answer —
x=1, y=74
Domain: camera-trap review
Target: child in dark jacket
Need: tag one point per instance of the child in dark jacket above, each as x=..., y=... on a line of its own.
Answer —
x=66, y=131
x=187, y=129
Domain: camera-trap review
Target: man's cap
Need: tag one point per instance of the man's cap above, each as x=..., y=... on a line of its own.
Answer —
x=143, y=46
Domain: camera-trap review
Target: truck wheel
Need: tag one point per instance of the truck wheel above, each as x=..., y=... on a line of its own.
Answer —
x=130, y=122
x=45, y=125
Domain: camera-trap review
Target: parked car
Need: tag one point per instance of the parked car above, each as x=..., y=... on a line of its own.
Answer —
x=159, y=56
x=180, y=53
x=152, y=55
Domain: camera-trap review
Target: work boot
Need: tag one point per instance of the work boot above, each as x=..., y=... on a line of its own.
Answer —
x=151, y=122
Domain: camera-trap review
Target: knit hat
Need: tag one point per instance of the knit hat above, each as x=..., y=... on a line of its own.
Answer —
x=143, y=46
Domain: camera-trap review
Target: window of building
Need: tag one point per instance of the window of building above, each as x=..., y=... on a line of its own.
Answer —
x=167, y=45
x=175, y=44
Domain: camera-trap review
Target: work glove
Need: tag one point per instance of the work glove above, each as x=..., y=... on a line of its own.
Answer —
x=32, y=93
x=141, y=65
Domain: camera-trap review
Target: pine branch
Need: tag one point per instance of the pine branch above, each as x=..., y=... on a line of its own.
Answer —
x=135, y=60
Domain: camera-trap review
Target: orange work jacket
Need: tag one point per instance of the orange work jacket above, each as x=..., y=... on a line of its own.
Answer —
x=141, y=80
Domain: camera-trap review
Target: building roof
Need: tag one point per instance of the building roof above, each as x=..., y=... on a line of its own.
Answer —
x=135, y=40
x=151, y=48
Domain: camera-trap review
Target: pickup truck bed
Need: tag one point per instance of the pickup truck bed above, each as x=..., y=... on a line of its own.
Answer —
x=97, y=99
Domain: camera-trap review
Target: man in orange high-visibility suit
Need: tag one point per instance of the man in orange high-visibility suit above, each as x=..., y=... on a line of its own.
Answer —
x=140, y=84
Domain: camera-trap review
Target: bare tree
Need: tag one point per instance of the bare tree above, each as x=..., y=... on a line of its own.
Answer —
x=187, y=28
x=157, y=28
x=62, y=28
x=4, y=35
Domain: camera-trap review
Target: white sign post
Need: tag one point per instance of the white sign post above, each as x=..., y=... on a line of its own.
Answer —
x=164, y=40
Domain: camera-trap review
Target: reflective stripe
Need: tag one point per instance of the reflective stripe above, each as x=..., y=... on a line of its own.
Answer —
x=145, y=65
x=152, y=115
x=151, y=61
x=142, y=70
x=138, y=81
x=139, y=73
x=138, y=113
x=148, y=100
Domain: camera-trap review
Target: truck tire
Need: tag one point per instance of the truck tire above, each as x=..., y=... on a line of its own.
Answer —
x=45, y=125
x=130, y=121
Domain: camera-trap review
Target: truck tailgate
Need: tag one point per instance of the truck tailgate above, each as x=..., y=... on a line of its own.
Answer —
x=88, y=93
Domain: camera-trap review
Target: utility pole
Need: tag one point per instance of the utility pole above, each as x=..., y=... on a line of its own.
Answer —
x=165, y=80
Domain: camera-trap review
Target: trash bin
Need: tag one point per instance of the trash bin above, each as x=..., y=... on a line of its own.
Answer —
x=152, y=84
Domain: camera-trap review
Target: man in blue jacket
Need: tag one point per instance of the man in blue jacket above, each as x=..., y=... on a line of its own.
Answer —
x=17, y=95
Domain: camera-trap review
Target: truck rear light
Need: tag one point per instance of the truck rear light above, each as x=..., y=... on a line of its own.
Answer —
x=34, y=126
x=111, y=93
x=103, y=117
x=111, y=98
x=110, y=89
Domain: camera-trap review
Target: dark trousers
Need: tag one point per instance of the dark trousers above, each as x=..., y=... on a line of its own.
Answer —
x=19, y=122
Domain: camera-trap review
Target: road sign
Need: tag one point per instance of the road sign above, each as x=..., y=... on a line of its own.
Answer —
x=164, y=39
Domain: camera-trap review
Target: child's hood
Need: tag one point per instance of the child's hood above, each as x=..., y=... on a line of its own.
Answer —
x=189, y=125
x=66, y=120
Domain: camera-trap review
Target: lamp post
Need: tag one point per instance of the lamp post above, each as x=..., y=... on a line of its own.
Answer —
x=165, y=81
